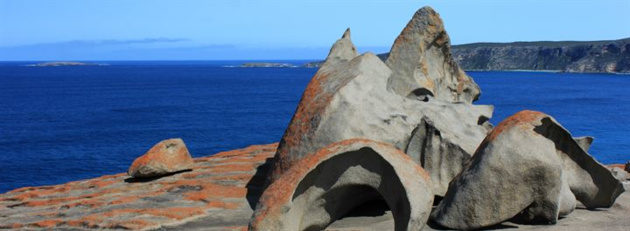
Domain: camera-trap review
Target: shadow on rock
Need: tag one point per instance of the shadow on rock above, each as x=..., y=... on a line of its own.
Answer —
x=257, y=183
x=148, y=179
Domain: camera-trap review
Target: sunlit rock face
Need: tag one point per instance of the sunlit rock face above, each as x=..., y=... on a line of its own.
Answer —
x=528, y=169
x=422, y=63
x=351, y=96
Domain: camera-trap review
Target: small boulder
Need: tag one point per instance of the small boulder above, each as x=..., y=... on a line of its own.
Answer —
x=627, y=166
x=167, y=156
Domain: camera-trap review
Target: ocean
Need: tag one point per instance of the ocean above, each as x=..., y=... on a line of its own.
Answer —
x=67, y=123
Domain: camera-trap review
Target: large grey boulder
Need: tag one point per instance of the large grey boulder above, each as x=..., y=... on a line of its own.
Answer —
x=422, y=63
x=530, y=169
x=329, y=183
x=349, y=98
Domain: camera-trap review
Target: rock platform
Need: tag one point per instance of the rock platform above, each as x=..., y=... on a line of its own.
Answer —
x=218, y=194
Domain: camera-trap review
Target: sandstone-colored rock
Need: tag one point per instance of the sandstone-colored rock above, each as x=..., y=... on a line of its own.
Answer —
x=584, y=142
x=528, y=168
x=167, y=156
x=349, y=99
x=343, y=50
x=326, y=185
x=619, y=173
x=422, y=63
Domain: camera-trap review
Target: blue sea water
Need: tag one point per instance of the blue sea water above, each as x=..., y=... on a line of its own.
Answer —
x=60, y=124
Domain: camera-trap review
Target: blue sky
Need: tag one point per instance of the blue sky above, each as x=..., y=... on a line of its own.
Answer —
x=279, y=29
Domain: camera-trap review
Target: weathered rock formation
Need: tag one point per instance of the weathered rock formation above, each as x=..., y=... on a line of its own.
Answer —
x=421, y=62
x=216, y=195
x=167, y=156
x=398, y=132
x=349, y=98
x=528, y=168
x=326, y=185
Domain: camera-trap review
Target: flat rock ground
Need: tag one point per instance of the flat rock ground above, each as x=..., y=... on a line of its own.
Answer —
x=218, y=194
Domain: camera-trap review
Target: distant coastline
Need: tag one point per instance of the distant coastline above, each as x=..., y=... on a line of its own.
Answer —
x=63, y=63
x=267, y=64
x=608, y=56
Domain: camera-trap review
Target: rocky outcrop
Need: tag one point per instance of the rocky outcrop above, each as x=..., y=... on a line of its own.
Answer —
x=328, y=184
x=215, y=195
x=529, y=169
x=349, y=98
x=366, y=134
x=421, y=62
x=218, y=194
x=167, y=156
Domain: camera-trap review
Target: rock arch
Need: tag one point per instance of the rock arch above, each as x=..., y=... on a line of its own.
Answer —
x=326, y=185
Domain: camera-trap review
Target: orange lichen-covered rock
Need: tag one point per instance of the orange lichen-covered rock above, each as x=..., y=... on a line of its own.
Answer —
x=215, y=193
x=530, y=169
x=349, y=98
x=165, y=157
x=325, y=185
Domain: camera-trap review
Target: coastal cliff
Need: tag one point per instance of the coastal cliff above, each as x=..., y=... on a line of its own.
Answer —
x=610, y=56
x=596, y=56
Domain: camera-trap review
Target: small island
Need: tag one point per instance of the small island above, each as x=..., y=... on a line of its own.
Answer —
x=267, y=64
x=57, y=64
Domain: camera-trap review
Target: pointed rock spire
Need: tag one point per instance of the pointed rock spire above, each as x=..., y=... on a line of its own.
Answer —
x=422, y=63
x=342, y=50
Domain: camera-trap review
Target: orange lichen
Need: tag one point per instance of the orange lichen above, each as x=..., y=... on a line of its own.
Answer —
x=522, y=119
x=236, y=167
x=281, y=190
x=87, y=203
x=233, y=168
x=176, y=213
x=621, y=166
x=210, y=191
x=222, y=205
x=314, y=100
x=157, y=154
x=132, y=224
x=47, y=223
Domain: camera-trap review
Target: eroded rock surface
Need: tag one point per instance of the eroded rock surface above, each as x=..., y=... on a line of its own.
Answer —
x=529, y=169
x=349, y=98
x=326, y=185
x=167, y=156
x=212, y=196
x=422, y=63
